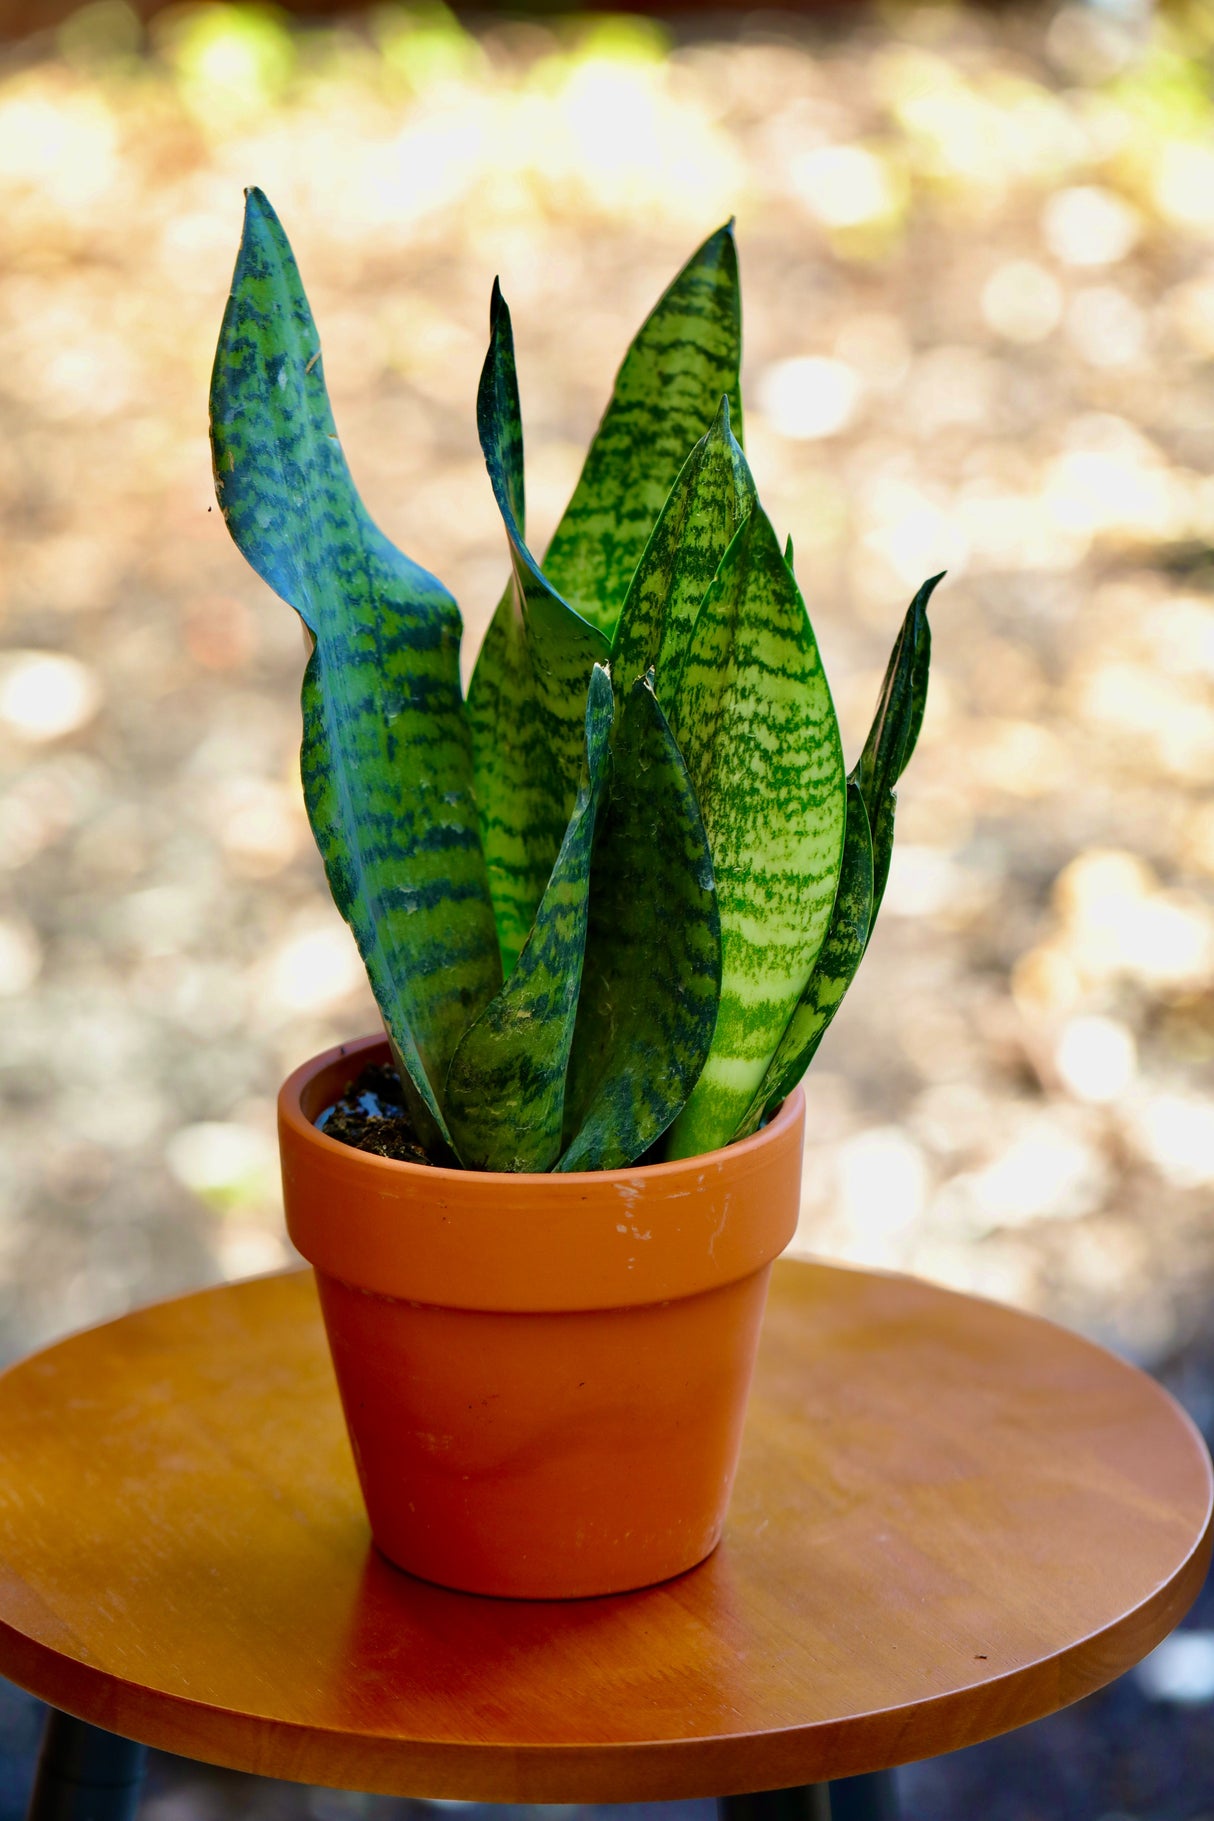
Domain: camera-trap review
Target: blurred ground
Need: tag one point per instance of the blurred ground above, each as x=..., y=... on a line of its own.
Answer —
x=978, y=268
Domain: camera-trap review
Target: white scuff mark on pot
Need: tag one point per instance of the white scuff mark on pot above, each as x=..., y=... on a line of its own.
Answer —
x=720, y=1226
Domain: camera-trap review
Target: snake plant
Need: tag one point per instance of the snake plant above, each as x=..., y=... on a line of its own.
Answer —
x=610, y=903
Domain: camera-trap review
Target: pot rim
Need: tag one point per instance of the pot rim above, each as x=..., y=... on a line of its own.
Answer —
x=515, y=1242
x=292, y=1115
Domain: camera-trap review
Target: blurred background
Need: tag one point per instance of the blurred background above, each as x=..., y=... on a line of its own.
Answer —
x=978, y=266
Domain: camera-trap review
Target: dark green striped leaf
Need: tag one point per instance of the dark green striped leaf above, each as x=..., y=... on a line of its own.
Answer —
x=666, y=395
x=710, y=498
x=762, y=747
x=894, y=731
x=920, y=666
x=506, y=1090
x=386, y=763
x=653, y=954
x=866, y=858
x=840, y=955
x=528, y=693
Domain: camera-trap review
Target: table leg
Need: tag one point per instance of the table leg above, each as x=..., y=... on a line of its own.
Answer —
x=85, y=1774
x=808, y=1802
x=870, y=1798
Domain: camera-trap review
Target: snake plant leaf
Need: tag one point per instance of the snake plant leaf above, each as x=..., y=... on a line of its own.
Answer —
x=894, y=732
x=387, y=767
x=840, y=955
x=886, y=754
x=762, y=747
x=505, y=1093
x=666, y=395
x=527, y=698
x=920, y=666
x=712, y=495
x=653, y=953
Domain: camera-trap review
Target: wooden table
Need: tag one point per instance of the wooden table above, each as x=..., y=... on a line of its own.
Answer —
x=950, y=1519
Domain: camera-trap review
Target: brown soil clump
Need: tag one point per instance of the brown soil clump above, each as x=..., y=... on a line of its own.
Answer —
x=371, y=1116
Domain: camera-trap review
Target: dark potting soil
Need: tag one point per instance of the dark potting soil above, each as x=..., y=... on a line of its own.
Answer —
x=371, y=1116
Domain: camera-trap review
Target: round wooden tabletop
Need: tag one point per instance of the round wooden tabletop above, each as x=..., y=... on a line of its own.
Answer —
x=950, y=1518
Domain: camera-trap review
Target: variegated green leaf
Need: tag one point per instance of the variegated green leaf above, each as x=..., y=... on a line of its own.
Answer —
x=666, y=395
x=866, y=858
x=920, y=667
x=505, y=1092
x=894, y=731
x=862, y=878
x=528, y=692
x=710, y=498
x=762, y=747
x=386, y=762
x=838, y=959
x=653, y=954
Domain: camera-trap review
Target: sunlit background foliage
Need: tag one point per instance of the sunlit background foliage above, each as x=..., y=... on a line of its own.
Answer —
x=978, y=269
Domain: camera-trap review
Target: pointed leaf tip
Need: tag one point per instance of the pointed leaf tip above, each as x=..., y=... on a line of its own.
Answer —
x=895, y=730
x=527, y=701
x=600, y=706
x=666, y=395
x=722, y=237
x=257, y=205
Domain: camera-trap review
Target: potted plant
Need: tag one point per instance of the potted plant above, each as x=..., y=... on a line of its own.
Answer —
x=608, y=906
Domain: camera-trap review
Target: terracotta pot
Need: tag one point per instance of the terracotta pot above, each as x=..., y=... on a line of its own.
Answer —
x=544, y=1377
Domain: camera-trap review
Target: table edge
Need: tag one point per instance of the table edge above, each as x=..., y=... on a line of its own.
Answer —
x=632, y=1771
x=627, y=1771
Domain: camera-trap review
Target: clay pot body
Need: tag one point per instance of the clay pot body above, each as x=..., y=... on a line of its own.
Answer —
x=544, y=1377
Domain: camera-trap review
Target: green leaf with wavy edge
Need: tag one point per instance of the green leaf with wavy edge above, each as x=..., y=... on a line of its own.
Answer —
x=666, y=395
x=894, y=732
x=762, y=747
x=386, y=762
x=653, y=953
x=505, y=1094
x=712, y=495
x=887, y=752
x=527, y=698
x=839, y=957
